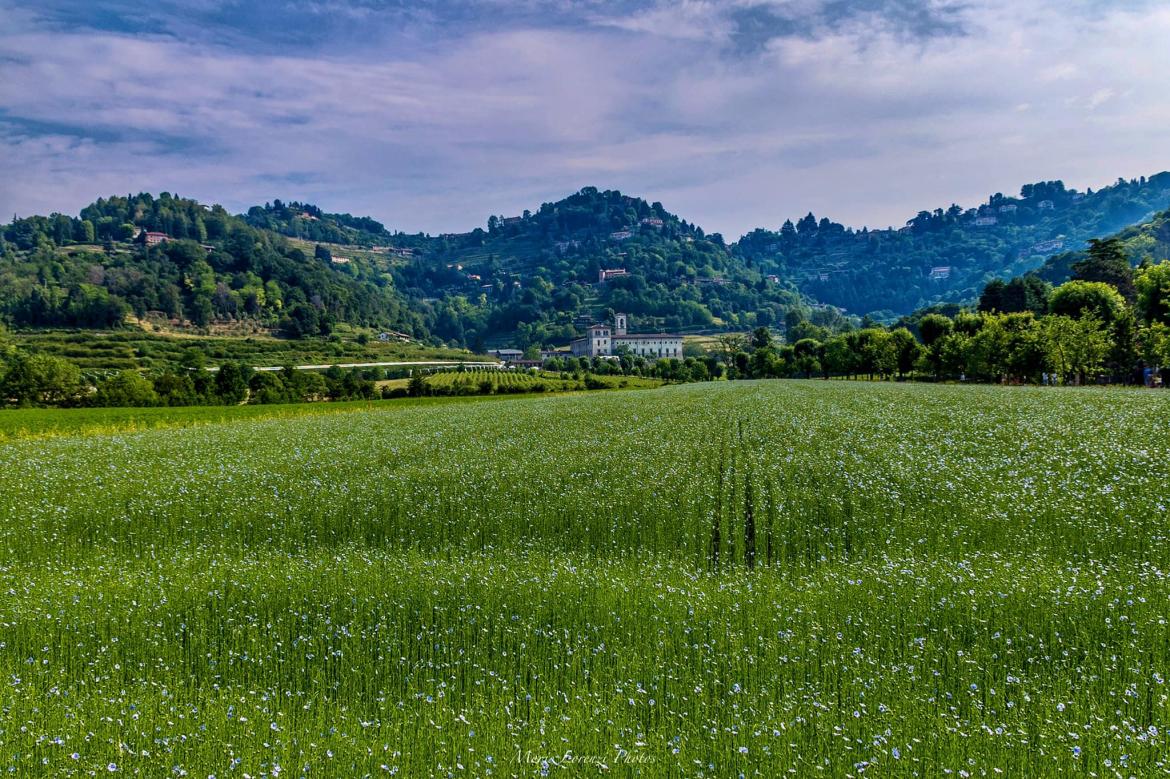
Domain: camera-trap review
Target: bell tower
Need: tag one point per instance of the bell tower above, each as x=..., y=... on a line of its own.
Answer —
x=619, y=324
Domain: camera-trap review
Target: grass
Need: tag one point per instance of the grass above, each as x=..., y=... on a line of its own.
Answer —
x=947, y=579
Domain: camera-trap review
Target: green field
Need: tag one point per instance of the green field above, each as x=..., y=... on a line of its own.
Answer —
x=35, y=423
x=947, y=581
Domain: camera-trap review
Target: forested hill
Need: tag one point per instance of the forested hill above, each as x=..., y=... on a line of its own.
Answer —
x=95, y=269
x=947, y=255
x=538, y=275
x=308, y=222
x=537, y=278
x=1148, y=242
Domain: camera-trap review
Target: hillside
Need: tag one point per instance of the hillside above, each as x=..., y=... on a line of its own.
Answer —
x=537, y=277
x=308, y=222
x=947, y=255
x=1145, y=242
x=203, y=267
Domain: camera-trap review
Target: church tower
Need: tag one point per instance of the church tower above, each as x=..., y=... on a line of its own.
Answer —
x=619, y=325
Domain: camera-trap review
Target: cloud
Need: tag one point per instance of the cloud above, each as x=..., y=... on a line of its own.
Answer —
x=433, y=115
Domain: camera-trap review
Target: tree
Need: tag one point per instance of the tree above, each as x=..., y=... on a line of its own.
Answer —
x=302, y=321
x=176, y=389
x=1153, y=292
x=907, y=350
x=763, y=363
x=761, y=338
x=231, y=383
x=932, y=327
x=127, y=388
x=1109, y=264
x=839, y=359
x=1075, y=348
x=806, y=353
x=731, y=344
x=880, y=352
x=418, y=386
x=1097, y=299
x=267, y=387
x=40, y=379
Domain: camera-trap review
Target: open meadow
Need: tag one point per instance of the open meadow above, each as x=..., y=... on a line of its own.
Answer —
x=709, y=580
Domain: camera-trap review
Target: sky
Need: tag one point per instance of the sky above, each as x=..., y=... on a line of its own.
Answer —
x=431, y=116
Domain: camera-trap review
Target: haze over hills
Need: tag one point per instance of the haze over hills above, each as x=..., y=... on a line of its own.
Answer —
x=537, y=277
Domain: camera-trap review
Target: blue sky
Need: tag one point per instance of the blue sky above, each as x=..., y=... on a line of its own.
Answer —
x=433, y=115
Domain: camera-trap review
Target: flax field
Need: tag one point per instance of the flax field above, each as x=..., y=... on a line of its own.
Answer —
x=710, y=580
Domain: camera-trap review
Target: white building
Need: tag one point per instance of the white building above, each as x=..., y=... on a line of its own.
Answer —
x=604, y=341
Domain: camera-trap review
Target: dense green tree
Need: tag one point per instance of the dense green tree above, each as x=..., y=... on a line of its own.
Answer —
x=1153, y=292
x=39, y=379
x=126, y=388
x=1075, y=347
x=177, y=389
x=1107, y=262
x=231, y=382
x=1087, y=298
x=907, y=350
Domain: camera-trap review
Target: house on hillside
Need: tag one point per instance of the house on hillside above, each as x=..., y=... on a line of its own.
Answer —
x=652, y=221
x=986, y=221
x=940, y=272
x=620, y=235
x=153, y=239
x=1046, y=205
x=605, y=274
x=602, y=340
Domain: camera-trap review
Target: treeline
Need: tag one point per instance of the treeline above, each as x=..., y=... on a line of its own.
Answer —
x=32, y=379
x=87, y=272
x=1110, y=323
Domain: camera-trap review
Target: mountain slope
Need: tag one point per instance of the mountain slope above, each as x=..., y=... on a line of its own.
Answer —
x=1145, y=242
x=538, y=277
x=213, y=267
x=947, y=255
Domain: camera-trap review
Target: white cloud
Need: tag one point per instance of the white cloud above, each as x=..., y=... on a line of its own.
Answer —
x=858, y=121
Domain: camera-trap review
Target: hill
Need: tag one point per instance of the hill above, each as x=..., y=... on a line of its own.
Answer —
x=202, y=266
x=1145, y=242
x=308, y=222
x=539, y=277
x=535, y=278
x=947, y=255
